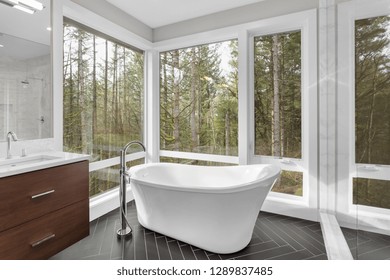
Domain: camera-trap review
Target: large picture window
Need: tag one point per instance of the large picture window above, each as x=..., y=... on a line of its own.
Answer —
x=363, y=116
x=103, y=98
x=372, y=90
x=199, y=99
x=372, y=110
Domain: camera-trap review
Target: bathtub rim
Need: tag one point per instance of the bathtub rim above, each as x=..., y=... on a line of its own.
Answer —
x=266, y=181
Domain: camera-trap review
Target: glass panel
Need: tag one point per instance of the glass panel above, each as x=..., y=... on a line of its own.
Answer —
x=103, y=180
x=199, y=99
x=372, y=90
x=290, y=182
x=278, y=95
x=108, y=178
x=194, y=162
x=372, y=136
x=103, y=94
x=371, y=192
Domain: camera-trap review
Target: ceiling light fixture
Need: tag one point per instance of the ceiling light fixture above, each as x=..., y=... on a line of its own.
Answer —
x=24, y=9
x=28, y=6
x=30, y=3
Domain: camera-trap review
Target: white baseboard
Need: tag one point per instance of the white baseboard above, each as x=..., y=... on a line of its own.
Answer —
x=294, y=209
x=106, y=202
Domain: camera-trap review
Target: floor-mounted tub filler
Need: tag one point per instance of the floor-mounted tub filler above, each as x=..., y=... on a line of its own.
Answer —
x=125, y=229
x=213, y=208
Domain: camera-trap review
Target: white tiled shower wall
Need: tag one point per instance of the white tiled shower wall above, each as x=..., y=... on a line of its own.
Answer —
x=22, y=106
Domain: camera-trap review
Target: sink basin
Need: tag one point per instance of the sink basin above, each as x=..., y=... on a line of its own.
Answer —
x=9, y=164
x=39, y=161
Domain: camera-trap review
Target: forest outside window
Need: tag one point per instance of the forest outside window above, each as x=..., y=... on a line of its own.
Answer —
x=278, y=106
x=372, y=90
x=278, y=95
x=103, y=98
x=199, y=99
x=372, y=109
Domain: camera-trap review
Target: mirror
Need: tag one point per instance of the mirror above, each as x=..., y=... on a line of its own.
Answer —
x=25, y=72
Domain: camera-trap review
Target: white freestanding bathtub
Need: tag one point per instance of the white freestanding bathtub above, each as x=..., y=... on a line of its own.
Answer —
x=213, y=208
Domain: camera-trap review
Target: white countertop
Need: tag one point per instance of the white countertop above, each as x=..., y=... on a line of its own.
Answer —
x=38, y=161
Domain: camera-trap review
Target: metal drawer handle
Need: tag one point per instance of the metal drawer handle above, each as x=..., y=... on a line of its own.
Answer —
x=47, y=238
x=42, y=194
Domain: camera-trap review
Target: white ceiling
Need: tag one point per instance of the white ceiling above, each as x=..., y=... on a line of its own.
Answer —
x=157, y=13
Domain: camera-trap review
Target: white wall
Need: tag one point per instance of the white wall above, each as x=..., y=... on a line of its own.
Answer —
x=248, y=13
x=27, y=102
x=245, y=14
x=117, y=16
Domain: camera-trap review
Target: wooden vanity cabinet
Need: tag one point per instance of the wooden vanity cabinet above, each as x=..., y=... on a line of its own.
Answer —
x=44, y=211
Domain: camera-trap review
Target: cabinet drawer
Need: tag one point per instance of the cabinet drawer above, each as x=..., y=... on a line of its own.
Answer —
x=44, y=237
x=31, y=195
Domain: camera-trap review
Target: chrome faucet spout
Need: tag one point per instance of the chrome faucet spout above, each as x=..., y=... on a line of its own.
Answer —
x=10, y=135
x=125, y=229
x=124, y=151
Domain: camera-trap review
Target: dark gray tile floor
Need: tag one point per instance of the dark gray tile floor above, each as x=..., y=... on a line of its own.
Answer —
x=275, y=237
x=366, y=245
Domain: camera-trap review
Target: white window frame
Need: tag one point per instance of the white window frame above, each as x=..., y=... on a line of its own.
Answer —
x=209, y=37
x=300, y=206
x=361, y=216
x=306, y=22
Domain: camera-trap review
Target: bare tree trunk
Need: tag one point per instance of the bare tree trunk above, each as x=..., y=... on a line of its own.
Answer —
x=165, y=87
x=276, y=112
x=370, y=132
x=227, y=132
x=176, y=103
x=121, y=95
x=126, y=107
x=113, y=98
x=281, y=100
x=115, y=107
x=369, y=127
x=81, y=91
x=106, y=90
x=71, y=99
x=194, y=133
x=282, y=138
x=94, y=93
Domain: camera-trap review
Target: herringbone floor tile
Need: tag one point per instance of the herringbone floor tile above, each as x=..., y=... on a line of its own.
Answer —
x=274, y=237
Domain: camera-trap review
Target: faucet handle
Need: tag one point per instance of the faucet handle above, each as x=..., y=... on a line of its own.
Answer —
x=13, y=135
x=24, y=152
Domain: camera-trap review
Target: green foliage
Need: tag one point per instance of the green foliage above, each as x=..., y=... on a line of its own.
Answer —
x=371, y=192
x=290, y=182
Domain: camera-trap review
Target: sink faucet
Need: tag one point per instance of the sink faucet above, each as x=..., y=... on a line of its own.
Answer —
x=9, y=136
